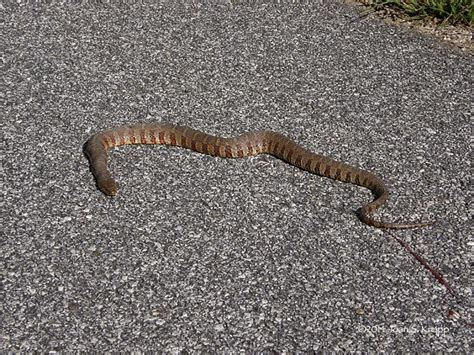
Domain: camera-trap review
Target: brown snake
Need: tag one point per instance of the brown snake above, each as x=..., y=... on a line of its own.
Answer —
x=248, y=144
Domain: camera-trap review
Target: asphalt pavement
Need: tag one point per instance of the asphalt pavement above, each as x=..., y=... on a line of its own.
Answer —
x=206, y=254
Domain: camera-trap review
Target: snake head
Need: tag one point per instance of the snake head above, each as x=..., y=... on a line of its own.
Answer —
x=107, y=186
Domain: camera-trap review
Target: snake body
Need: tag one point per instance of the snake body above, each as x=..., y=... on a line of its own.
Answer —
x=248, y=144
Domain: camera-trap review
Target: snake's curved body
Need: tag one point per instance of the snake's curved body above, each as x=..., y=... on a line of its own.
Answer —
x=248, y=144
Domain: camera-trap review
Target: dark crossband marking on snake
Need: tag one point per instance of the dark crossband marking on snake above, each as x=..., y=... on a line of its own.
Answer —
x=248, y=144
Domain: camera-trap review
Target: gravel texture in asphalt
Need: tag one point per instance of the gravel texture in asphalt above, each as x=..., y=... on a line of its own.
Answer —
x=202, y=253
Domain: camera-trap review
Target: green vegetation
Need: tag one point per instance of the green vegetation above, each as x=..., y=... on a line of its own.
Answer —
x=446, y=11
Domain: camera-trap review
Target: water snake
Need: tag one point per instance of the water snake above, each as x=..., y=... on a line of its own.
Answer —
x=248, y=144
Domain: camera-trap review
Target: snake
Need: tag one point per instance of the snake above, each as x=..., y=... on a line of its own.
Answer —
x=248, y=144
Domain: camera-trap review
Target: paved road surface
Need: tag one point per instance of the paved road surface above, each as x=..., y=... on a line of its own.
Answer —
x=202, y=253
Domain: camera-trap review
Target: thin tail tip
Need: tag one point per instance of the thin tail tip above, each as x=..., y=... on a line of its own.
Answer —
x=369, y=220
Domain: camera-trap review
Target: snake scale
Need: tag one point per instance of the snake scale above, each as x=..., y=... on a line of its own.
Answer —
x=248, y=144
